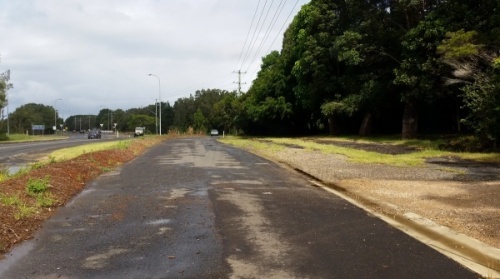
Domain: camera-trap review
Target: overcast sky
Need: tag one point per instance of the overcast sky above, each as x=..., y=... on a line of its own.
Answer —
x=95, y=54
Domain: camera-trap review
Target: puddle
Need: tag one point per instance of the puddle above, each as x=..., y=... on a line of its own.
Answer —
x=238, y=181
x=159, y=222
x=200, y=193
x=13, y=169
x=178, y=193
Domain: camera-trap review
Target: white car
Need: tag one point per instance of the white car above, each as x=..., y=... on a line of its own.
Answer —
x=214, y=133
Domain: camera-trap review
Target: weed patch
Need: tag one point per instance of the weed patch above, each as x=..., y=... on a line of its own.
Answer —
x=24, y=211
x=10, y=200
x=37, y=185
x=45, y=200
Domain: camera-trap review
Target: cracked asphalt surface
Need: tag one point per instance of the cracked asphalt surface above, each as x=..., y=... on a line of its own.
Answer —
x=195, y=208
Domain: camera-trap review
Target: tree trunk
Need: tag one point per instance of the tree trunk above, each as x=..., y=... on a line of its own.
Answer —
x=332, y=124
x=366, y=125
x=410, y=120
x=457, y=115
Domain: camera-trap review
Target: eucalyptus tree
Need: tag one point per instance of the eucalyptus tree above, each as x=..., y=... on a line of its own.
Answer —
x=266, y=108
x=339, y=58
x=311, y=72
x=4, y=87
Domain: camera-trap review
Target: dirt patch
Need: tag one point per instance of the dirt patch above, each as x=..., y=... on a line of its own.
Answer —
x=65, y=180
x=474, y=171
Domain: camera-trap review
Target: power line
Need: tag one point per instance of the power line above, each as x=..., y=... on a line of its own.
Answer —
x=253, y=40
x=279, y=32
x=248, y=33
x=268, y=31
x=283, y=26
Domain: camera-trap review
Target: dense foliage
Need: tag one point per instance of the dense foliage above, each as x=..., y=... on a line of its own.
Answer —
x=408, y=66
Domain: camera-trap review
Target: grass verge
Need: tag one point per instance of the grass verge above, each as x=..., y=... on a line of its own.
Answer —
x=24, y=137
x=73, y=152
x=424, y=149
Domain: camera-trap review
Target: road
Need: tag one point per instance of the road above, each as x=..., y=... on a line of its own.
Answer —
x=18, y=154
x=194, y=208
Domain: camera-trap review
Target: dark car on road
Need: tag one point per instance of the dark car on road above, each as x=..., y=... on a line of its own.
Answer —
x=94, y=134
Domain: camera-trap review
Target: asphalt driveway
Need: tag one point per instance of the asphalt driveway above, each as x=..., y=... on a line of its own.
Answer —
x=194, y=208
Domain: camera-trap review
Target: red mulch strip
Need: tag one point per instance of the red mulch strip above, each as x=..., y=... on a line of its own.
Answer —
x=66, y=179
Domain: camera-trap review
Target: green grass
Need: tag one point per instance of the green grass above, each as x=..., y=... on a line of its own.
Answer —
x=44, y=200
x=427, y=149
x=24, y=210
x=10, y=200
x=21, y=209
x=66, y=154
x=4, y=172
x=73, y=152
x=254, y=144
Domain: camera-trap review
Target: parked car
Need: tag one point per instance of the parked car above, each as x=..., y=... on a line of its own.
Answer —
x=214, y=133
x=94, y=134
x=139, y=131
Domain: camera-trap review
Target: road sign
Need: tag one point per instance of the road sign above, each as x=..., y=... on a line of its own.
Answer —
x=37, y=127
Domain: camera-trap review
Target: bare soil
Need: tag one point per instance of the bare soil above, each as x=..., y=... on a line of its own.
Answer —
x=66, y=179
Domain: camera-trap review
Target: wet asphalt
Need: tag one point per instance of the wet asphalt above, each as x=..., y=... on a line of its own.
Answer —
x=195, y=208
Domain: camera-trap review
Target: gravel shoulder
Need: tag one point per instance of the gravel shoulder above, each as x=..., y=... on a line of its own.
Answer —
x=461, y=195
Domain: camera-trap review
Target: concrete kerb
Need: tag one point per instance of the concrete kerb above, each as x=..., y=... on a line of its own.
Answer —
x=471, y=253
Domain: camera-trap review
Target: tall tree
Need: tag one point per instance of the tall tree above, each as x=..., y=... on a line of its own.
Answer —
x=4, y=87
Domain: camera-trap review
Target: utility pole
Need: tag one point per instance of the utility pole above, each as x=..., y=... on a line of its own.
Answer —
x=239, y=72
x=156, y=116
x=159, y=97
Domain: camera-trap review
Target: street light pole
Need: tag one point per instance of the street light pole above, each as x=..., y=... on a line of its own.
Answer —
x=8, y=124
x=159, y=90
x=156, y=116
x=55, y=114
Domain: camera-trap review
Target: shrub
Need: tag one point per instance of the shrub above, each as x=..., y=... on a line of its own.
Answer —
x=38, y=185
x=466, y=144
x=4, y=137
